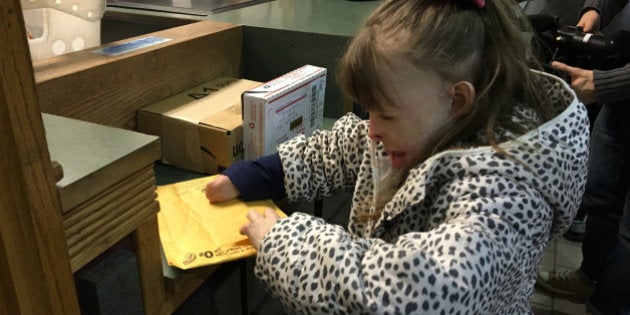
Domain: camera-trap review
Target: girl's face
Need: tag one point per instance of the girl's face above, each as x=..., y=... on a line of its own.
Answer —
x=421, y=107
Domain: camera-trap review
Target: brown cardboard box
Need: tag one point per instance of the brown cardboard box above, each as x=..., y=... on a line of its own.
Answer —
x=200, y=128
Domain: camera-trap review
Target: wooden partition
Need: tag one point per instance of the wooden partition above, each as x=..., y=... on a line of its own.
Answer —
x=108, y=89
x=36, y=276
x=36, y=271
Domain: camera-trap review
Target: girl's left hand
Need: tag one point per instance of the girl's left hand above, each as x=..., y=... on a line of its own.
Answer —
x=259, y=225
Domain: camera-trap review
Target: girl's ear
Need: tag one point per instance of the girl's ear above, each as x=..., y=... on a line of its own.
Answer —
x=463, y=95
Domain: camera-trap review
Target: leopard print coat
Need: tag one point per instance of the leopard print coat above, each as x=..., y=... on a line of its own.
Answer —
x=463, y=235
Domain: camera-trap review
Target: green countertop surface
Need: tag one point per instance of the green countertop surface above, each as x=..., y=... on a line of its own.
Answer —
x=332, y=17
x=83, y=148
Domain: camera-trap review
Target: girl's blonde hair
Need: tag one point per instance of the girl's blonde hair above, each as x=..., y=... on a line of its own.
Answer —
x=487, y=47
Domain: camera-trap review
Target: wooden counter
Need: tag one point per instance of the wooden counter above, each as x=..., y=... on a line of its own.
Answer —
x=108, y=185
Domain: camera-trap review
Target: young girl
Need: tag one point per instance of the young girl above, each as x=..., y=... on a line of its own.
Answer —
x=470, y=162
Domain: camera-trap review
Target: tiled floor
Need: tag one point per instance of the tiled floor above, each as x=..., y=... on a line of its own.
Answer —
x=562, y=254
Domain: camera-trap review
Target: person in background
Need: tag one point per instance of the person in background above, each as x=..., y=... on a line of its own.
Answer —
x=469, y=163
x=603, y=278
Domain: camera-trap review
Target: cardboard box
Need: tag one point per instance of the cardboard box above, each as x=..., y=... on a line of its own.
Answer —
x=201, y=128
x=281, y=109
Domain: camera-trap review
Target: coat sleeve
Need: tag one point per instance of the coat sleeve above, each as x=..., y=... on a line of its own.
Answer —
x=606, y=8
x=259, y=179
x=462, y=265
x=326, y=162
x=612, y=85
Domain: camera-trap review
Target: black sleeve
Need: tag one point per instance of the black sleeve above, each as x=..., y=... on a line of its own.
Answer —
x=612, y=85
x=606, y=8
x=259, y=179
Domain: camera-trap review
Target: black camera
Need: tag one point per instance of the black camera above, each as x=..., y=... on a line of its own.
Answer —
x=570, y=45
x=588, y=51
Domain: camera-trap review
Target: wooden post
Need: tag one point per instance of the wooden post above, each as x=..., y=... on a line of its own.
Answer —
x=35, y=269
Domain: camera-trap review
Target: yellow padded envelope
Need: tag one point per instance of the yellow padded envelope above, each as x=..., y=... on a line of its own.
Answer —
x=196, y=233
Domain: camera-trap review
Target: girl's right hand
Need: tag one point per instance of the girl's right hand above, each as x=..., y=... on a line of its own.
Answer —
x=221, y=189
x=590, y=21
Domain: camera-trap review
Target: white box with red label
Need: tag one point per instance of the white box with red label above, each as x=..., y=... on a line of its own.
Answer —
x=282, y=108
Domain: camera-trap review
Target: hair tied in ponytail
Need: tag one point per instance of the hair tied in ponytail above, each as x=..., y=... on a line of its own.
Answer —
x=479, y=3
